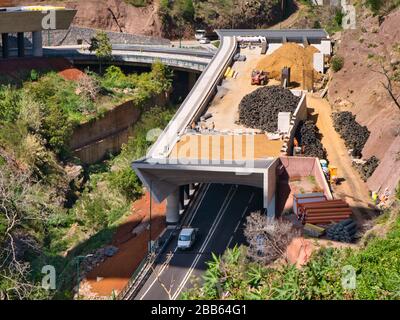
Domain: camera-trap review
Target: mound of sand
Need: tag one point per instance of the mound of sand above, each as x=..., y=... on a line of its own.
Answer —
x=290, y=55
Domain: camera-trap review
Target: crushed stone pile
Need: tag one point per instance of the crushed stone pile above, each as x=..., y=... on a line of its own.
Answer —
x=259, y=109
x=354, y=135
x=309, y=138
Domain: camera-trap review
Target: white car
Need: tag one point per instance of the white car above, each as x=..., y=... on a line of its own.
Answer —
x=204, y=41
x=186, y=238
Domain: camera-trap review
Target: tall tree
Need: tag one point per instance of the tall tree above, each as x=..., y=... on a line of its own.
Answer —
x=101, y=45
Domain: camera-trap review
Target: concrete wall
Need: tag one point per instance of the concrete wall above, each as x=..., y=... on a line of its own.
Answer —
x=296, y=167
x=98, y=150
x=92, y=141
x=270, y=182
x=113, y=122
x=300, y=114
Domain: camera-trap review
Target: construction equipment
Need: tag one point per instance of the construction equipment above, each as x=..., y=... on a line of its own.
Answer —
x=259, y=77
x=333, y=174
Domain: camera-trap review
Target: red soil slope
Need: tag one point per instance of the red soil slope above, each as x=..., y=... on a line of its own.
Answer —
x=115, y=272
x=360, y=88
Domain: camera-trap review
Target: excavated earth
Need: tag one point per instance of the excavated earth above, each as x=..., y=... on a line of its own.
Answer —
x=96, y=14
x=357, y=88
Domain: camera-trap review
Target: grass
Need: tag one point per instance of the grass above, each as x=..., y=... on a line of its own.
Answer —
x=376, y=266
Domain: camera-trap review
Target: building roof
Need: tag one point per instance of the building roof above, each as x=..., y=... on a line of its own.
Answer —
x=28, y=19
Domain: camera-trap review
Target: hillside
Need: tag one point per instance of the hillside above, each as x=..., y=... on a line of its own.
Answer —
x=171, y=19
x=358, y=88
x=96, y=14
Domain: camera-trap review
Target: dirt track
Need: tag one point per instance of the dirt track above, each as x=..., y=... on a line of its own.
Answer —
x=352, y=188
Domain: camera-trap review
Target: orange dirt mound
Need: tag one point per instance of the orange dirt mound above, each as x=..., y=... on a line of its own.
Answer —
x=290, y=55
x=72, y=74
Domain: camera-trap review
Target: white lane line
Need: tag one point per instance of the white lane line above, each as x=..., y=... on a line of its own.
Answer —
x=209, y=236
x=230, y=240
x=176, y=248
x=251, y=198
x=240, y=220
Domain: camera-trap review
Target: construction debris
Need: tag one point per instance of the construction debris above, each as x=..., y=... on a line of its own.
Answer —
x=366, y=168
x=259, y=109
x=291, y=55
x=308, y=137
x=354, y=135
x=343, y=231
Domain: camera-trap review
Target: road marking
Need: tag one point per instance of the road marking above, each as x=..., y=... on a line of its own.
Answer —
x=251, y=198
x=176, y=248
x=208, y=238
x=240, y=220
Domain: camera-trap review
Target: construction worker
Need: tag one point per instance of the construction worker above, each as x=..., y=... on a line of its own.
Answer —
x=375, y=197
x=295, y=142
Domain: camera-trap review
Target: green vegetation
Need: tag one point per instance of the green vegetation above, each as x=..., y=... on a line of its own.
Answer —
x=138, y=3
x=181, y=17
x=382, y=7
x=337, y=63
x=376, y=266
x=46, y=216
x=101, y=44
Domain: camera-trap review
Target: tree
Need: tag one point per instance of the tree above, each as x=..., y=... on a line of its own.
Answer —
x=267, y=238
x=102, y=46
x=388, y=84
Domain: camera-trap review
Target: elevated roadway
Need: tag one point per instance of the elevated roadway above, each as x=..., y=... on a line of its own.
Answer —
x=179, y=58
x=219, y=217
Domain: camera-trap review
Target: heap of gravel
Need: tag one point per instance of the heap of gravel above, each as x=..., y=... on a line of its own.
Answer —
x=354, y=135
x=367, y=169
x=259, y=109
x=309, y=139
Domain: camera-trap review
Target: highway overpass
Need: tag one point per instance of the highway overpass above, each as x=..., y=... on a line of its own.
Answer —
x=192, y=60
x=171, y=162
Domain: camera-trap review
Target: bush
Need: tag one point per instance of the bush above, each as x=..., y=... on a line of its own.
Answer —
x=9, y=103
x=127, y=182
x=56, y=129
x=337, y=63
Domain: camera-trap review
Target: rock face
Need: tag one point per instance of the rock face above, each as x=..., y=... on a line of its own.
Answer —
x=358, y=83
x=100, y=14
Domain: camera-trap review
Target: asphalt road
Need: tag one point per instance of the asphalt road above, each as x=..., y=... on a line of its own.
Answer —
x=219, y=218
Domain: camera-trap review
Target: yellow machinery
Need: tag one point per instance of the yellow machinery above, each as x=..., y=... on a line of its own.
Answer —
x=333, y=174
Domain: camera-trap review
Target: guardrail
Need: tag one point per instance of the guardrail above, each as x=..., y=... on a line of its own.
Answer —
x=141, y=59
x=196, y=99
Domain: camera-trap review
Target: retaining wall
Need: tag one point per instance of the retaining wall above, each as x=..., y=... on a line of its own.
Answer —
x=93, y=140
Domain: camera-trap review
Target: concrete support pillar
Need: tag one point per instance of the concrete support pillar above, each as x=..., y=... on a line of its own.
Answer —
x=181, y=197
x=173, y=207
x=21, y=44
x=37, y=46
x=5, y=45
x=192, y=80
